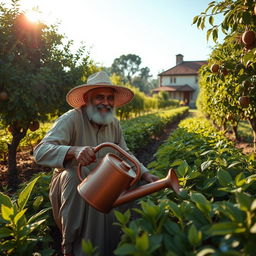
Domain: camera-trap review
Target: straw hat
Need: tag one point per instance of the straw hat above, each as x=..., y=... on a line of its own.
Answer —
x=75, y=97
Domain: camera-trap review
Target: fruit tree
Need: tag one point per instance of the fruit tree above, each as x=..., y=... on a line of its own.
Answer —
x=37, y=69
x=228, y=84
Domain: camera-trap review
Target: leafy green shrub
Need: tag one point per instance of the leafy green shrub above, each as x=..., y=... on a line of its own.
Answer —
x=138, y=131
x=20, y=235
x=215, y=211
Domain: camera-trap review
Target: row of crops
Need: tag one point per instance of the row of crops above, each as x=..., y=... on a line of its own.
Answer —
x=215, y=212
x=153, y=124
x=26, y=222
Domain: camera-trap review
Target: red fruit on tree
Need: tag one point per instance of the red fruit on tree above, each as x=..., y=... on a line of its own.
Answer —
x=215, y=68
x=224, y=71
x=248, y=37
x=33, y=126
x=244, y=101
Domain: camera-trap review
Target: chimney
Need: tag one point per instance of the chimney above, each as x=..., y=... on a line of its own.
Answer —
x=179, y=59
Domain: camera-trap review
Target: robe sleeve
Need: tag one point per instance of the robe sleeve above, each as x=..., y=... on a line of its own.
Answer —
x=123, y=145
x=52, y=150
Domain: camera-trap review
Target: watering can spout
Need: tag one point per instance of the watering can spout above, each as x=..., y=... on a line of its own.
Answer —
x=170, y=181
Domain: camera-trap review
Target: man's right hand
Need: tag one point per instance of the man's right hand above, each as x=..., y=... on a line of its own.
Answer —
x=83, y=155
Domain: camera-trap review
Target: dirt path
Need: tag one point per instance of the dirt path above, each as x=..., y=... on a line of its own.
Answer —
x=146, y=155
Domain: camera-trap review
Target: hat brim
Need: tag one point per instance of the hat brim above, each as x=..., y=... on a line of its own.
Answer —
x=75, y=97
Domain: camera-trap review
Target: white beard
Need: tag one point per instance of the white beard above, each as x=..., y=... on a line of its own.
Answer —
x=100, y=118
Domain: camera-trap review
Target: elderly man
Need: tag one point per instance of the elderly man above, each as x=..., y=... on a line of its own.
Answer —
x=70, y=142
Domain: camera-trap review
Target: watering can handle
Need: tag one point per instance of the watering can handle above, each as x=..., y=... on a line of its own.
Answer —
x=120, y=150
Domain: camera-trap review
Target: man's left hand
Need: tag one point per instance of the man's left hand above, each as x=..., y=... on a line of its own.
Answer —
x=148, y=177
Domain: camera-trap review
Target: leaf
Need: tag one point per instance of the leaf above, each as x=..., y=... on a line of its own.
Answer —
x=240, y=179
x=244, y=201
x=224, y=178
x=209, y=31
x=38, y=201
x=211, y=20
x=225, y=228
x=25, y=193
x=31, y=227
x=201, y=202
x=183, y=168
x=88, y=247
x=206, y=251
x=5, y=200
x=7, y=213
x=18, y=216
x=234, y=164
x=155, y=242
x=142, y=242
x=206, y=164
x=207, y=152
x=175, y=209
x=125, y=249
x=171, y=227
x=194, y=236
x=122, y=218
x=195, y=19
x=215, y=34
x=38, y=215
x=5, y=232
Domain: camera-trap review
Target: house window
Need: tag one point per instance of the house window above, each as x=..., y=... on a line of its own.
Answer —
x=172, y=80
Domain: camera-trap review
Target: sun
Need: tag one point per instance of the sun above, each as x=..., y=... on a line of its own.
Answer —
x=33, y=16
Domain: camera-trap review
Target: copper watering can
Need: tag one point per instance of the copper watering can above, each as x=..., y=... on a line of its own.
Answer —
x=107, y=185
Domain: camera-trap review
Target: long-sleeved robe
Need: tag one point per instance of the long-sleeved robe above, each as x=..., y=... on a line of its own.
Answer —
x=75, y=218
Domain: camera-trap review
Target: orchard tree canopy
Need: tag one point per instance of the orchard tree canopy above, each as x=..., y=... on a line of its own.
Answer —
x=228, y=83
x=36, y=71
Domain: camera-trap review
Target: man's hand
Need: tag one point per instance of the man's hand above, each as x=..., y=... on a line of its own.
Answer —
x=148, y=177
x=83, y=155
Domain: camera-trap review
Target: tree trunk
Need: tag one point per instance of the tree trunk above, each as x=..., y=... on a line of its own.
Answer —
x=235, y=128
x=17, y=135
x=252, y=121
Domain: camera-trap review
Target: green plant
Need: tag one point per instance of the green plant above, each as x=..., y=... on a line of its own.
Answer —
x=19, y=235
x=214, y=213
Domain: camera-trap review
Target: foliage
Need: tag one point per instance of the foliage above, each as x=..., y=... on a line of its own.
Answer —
x=236, y=14
x=20, y=235
x=215, y=211
x=37, y=199
x=141, y=102
x=28, y=142
x=128, y=68
x=138, y=131
x=37, y=70
x=227, y=92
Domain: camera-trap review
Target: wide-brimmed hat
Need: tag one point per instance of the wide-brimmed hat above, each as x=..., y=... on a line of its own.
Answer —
x=75, y=97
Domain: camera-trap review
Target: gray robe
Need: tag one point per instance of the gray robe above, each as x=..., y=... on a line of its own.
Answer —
x=75, y=218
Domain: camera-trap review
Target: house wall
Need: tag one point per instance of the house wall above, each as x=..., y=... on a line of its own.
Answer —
x=182, y=80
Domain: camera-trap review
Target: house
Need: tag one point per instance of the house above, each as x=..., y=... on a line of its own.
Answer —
x=181, y=81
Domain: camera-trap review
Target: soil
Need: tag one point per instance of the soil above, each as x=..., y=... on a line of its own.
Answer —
x=27, y=167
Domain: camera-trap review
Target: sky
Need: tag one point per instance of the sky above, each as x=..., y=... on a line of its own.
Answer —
x=155, y=30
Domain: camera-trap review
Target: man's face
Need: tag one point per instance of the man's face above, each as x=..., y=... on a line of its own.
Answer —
x=100, y=107
x=102, y=96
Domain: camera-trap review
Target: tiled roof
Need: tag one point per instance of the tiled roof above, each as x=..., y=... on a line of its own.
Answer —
x=176, y=88
x=184, y=68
